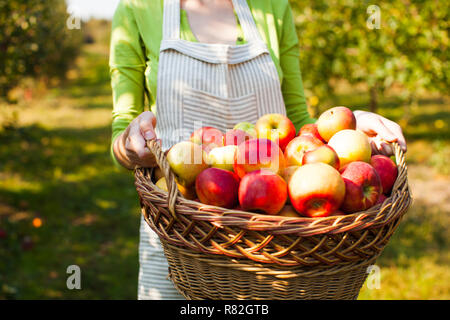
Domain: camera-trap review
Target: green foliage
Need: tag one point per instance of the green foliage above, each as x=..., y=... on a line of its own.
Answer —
x=55, y=165
x=408, y=51
x=35, y=41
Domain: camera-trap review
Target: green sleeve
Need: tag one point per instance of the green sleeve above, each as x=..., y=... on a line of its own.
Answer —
x=127, y=66
x=292, y=86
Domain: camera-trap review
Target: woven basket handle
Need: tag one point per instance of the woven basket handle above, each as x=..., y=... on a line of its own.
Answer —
x=161, y=160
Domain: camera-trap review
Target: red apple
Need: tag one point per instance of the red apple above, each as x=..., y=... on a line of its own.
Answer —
x=217, y=187
x=316, y=190
x=351, y=145
x=208, y=138
x=310, y=129
x=263, y=190
x=362, y=186
x=258, y=154
x=298, y=146
x=236, y=137
x=334, y=120
x=386, y=169
x=381, y=199
x=277, y=128
x=324, y=154
x=337, y=213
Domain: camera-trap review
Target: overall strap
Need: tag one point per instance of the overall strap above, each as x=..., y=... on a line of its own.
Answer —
x=248, y=24
x=171, y=20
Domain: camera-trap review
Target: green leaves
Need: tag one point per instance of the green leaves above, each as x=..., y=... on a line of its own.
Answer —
x=409, y=50
x=34, y=41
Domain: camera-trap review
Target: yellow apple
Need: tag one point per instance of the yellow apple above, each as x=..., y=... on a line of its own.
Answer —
x=334, y=120
x=187, y=160
x=222, y=157
x=351, y=145
x=188, y=193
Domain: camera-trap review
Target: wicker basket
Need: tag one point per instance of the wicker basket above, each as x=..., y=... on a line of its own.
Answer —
x=216, y=253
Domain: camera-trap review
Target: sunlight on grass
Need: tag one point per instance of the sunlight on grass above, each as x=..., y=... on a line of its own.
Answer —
x=423, y=278
x=62, y=116
x=15, y=183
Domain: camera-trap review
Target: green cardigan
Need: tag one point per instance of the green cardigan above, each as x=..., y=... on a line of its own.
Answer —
x=136, y=37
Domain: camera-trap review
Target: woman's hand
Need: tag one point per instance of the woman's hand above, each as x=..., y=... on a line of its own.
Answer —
x=130, y=148
x=380, y=131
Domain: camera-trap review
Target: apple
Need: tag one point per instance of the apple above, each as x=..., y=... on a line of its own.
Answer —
x=338, y=213
x=362, y=186
x=263, y=190
x=324, y=154
x=276, y=127
x=187, y=160
x=386, y=169
x=236, y=137
x=258, y=154
x=310, y=129
x=316, y=190
x=351, y=145
x=217, y=187
x=247, y=127
x=298, y=146
x=222, y=157
x=381, y=199
x=289, y=211
x=188, y=193
x=158, y=173
x=287, y=172
x=334, y=120
x=208, y=138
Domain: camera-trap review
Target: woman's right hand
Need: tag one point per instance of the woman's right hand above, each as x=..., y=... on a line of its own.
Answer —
x=130, y=148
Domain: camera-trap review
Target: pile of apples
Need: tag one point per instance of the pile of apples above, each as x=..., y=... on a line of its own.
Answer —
x=327, y=168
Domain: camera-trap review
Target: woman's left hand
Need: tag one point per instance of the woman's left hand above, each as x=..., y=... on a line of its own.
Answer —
x=381, y=131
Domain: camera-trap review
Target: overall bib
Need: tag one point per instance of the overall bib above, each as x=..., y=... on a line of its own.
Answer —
x=200, y=85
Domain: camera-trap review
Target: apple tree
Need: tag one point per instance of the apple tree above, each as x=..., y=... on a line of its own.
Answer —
x=35, y=41
x=401, y=44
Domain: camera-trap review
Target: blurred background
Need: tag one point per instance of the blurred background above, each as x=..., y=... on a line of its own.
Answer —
x=62, y=202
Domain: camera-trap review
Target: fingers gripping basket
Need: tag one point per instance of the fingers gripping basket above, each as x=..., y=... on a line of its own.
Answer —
x=216, y=253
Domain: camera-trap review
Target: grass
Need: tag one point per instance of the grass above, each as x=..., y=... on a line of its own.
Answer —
x=55, y=166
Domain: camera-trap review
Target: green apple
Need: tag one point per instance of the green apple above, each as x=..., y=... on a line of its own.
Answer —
x=187, y=160
x=247, y=127
x=222, y=157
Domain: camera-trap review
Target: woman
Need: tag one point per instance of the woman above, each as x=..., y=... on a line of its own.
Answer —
x=199, y=63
